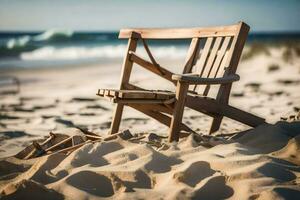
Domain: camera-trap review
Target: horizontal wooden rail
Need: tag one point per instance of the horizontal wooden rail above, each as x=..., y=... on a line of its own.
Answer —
x=179, y=33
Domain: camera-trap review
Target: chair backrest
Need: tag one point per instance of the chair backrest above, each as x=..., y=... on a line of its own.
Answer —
x=213, y=52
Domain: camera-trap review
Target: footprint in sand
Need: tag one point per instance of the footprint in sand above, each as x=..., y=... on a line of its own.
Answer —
x=97, y=106
x=25, y=190
x=273, y=67
x=8, y=117
x=67, y=123
x=135, y=120
x=91, y=182
x=254, y=86
x=288, y=82
x=189, y=174
x=214, y=188
x=237, y=94
x=83, y=99
x=4, y=135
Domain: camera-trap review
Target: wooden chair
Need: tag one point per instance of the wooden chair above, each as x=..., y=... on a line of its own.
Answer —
x=215, y=62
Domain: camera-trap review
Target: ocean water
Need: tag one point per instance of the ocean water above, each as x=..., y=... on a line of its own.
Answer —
x=61, y=48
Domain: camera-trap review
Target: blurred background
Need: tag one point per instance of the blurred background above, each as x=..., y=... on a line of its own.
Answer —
x=39, y=33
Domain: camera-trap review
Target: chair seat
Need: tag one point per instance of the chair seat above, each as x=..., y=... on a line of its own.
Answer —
x=138, y=96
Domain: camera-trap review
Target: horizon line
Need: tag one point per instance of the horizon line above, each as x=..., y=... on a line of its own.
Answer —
x=116, y=31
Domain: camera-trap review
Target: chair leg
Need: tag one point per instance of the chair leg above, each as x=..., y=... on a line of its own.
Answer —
x=215, y=125
x=175, y=126
x=115, y=124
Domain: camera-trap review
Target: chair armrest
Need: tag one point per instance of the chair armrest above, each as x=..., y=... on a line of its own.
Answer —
x=196, y=80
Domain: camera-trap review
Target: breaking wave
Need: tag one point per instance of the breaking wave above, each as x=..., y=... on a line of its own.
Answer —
x=108, y=51
x=57, y=47
x=53, y=35
x=15, y=46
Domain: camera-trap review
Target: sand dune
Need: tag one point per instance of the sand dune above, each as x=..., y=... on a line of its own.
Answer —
x=243, y=168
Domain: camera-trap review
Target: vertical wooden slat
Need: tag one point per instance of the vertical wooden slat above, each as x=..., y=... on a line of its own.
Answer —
x=204, y=55
x=216, y=66
x=235, y=53
x=209, y=64
x=126, y=71
x=232, y=61
x=222, y=67
x=191, y=57
x=220, y=57
x=212, y=57
x=201, y=64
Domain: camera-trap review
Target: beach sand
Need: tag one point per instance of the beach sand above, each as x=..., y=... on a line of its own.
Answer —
x=240, y=163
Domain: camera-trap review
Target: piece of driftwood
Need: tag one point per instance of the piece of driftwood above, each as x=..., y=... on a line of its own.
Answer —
x=72, y=148
x=58, y=144
x=126, y=135
x=212, y=59
x=38, y=148
x=68, y=144
x=93, y=137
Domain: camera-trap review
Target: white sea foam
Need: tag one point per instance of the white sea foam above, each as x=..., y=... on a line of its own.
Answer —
x=17, y=42
x=109, y=51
